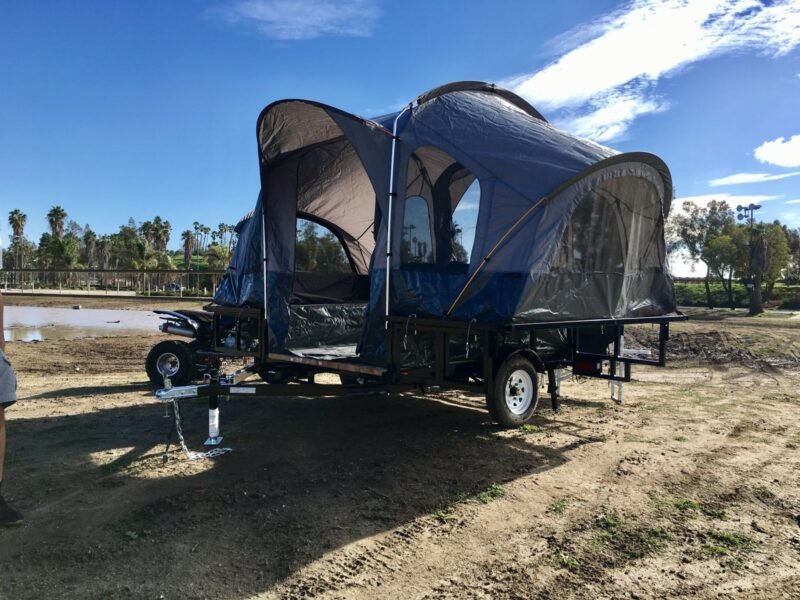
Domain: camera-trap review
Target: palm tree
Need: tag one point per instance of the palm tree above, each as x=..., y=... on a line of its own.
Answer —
x=196, y=243
x=90, y=245
x=218, y=257
x=188, y=248
x=147, y=231
x=104, y=248
x=17, y=220
x=56, y=218
x=164, y=235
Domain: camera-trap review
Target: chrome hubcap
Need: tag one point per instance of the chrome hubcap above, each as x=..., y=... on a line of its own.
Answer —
x=168, y=364
x=519, y=392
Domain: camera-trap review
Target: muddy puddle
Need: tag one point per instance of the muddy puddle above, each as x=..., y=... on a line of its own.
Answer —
x=33, y=323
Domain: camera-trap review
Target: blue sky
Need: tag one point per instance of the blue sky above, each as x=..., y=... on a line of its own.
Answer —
x=136, y=109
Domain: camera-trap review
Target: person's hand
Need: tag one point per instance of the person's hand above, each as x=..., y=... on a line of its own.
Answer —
x=2, y=327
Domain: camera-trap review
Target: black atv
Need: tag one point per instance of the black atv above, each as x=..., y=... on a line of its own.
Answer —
x=182, y=361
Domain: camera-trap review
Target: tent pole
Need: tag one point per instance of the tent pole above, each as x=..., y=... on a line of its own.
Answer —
x=491, y=253
x=391, y=197
x=264, y=256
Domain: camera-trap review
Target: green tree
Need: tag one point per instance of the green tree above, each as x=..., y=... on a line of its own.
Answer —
x=319, y=253
x=17, y=249
x=17, y=220
x=777, y=255
x=89, y=247
x=305, y=254
x=793, y=239
x=188, y=248
x=726, y=255
x=218, y=257
x=55, y=219
x=696, y=226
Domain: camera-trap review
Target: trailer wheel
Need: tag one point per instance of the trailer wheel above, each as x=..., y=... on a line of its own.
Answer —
x=275, y=375
x=515, y=393
x=170, y=358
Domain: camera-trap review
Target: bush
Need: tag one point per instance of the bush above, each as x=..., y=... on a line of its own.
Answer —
x=784, y=296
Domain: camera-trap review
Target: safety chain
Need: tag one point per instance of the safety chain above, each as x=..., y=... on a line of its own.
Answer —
x=466, y=346
x=405, y=335
x=191, y=455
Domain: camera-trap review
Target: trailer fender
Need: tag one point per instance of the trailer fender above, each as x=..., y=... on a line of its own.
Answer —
x=538, y=363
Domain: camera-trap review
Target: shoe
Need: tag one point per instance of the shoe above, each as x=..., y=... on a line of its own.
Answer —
x=9, y=516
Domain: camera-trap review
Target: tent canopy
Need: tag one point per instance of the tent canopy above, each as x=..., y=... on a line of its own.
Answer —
x=557, y=227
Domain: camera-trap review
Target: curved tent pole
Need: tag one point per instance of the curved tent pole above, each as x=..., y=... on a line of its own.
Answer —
x=264, y=256
x=491, y=253
x=392, y=194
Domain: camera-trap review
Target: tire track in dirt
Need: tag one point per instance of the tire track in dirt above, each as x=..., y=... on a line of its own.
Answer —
x=366, y=564
x=420, y=558
x=532, y=576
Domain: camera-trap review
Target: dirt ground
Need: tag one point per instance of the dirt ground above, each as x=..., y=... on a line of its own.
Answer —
x=689, y=488
x=118, y=302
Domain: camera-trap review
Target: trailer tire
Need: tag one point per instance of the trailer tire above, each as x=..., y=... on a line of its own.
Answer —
x=173, y=357
x=275, y=375
x=514, y=396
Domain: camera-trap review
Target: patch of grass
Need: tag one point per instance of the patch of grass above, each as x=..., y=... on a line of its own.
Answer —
x=686, y=506
x=763, y=494
x=531, y=428
x=444, y=516
x=715, y=513
x=630, y=543
x=723, y=543
x=641, y=542
x=659, y=502
x=637, y=438
x=493, y=492
x=610, y=522
x=446, y=508
x=766, y=350
x=680, y=438
x=558, y=507
x=626, y=541
x=565, y=560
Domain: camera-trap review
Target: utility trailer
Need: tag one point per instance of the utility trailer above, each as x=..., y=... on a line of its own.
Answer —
x=485, y=251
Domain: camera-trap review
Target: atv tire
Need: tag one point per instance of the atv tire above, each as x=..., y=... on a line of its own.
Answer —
x=171, y=358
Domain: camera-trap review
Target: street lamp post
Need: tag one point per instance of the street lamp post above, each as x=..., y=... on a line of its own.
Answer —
x=748, y=213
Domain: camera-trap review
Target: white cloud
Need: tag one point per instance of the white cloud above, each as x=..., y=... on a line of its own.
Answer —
x=791, y=219
x=624, y=55
x=793, y=201
x=740, y=178
x=304, y=19
x=612, y=117
x=780, y=152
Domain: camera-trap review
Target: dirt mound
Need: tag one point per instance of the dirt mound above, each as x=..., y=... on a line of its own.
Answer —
x=712, y=345
x=706, y=345
x=716, y=346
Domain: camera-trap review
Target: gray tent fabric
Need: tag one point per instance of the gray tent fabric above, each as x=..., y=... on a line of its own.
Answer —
x=566, y=229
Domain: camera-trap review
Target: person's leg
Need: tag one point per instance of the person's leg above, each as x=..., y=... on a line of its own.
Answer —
x=8, y=516
x=2, y=442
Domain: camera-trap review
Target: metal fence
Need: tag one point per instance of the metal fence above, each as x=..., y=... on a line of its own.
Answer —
x=120, y=281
